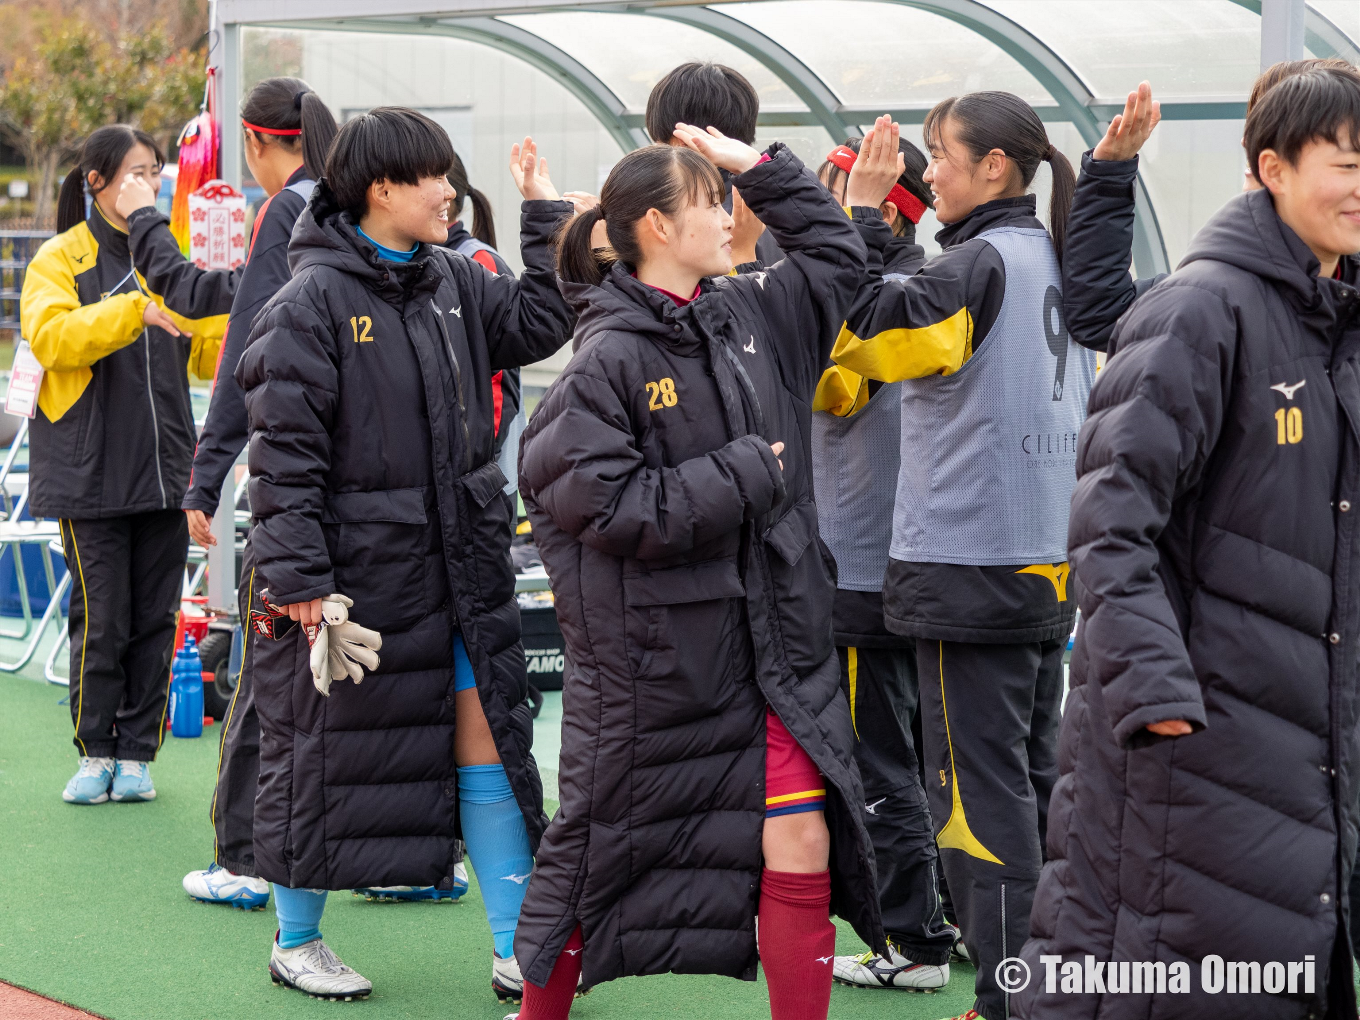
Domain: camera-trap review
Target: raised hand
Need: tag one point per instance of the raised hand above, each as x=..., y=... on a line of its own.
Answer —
x=878, y=167
x=1129, y=130
x=581, y=201
x=530, y=172
x=727, y=153
x=133, y=194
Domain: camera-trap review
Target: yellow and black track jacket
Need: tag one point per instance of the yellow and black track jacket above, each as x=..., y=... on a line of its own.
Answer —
x=932, y=324
x=114, y=433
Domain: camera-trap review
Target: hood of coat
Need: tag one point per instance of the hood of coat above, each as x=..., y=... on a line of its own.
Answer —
x=325, y=235
x=622, y=302
x=1249, y=234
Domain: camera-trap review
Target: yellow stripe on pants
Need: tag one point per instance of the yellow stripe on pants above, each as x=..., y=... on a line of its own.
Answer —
x=85, y=638
x=956, y=835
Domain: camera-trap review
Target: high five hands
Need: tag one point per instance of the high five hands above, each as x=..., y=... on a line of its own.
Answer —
x=723, y=152
x=530, y=172
x=1129, y=130
x=878, y=167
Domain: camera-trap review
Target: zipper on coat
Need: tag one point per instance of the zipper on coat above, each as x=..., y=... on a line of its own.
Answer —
x=151, y=399
x=458, y=388
x=1005, y=954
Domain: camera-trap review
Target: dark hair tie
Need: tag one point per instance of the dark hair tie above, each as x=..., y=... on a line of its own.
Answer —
x=297, y=98
x=1052, y=151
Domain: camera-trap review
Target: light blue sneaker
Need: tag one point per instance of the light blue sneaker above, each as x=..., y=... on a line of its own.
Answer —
x=90, y=784
x=411, y=893
x=218, y=885
x=132, y=783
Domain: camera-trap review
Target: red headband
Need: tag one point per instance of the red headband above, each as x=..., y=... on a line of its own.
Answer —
x=271, y=131
x=907, y=204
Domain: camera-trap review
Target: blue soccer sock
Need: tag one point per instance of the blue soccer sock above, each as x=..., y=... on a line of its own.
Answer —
x=498, y=844
x=299, y=912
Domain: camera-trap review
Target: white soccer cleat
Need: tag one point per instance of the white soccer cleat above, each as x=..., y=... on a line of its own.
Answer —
x=508, y=983
x=506, y=980
x=218, y=885
x=314, y=969
x=870, y=970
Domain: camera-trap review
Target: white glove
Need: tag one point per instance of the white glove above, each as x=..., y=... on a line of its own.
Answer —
x=321, y=672
x=347, y=651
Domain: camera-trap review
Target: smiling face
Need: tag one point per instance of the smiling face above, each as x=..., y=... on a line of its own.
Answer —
x=1318, y=196
x=402, y=215
x=958, y=183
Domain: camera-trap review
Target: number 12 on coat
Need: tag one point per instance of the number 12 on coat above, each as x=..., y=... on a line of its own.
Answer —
x=361, y=325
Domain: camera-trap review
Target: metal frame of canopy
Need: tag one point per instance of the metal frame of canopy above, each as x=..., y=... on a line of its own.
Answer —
x=1288, y=26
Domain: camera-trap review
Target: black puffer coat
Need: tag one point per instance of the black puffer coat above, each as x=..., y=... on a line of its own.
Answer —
x=368, y=389
x=692, y=589
x=1213, y=530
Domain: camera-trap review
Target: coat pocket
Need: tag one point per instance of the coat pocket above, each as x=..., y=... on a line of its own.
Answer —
x=490, y=524
x=685, y=638
x=804, y=577
x=378, y=542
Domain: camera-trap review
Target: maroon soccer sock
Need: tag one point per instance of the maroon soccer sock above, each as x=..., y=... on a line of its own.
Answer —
x=797, y=943
x=553, y=1001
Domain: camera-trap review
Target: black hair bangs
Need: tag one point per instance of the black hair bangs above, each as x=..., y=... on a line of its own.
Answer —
x=389, y=143
x=701, y=181
x=1317, y=105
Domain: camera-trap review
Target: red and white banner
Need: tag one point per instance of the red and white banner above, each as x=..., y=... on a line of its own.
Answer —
x=217, y=226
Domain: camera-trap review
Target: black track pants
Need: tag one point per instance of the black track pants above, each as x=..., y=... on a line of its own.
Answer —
x=238, y=763
x=127, y=575
x=881, y=686
x=990, y=716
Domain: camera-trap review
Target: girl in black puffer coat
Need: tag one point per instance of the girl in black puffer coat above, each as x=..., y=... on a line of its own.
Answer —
x=373, y=476
x=668, y=477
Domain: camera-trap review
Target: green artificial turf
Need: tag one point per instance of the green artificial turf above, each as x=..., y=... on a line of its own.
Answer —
x=92, y=912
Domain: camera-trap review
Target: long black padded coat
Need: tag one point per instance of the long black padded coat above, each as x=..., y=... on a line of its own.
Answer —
x=372, y=475
x=1213, y=530
x=692, y=588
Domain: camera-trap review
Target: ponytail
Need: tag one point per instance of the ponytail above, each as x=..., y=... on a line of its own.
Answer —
x=577, y=262
x=1059, y=198
x=483, y=223
x=288, y=112
x=101, y=155
x=71, y=201
x=985, y=121
x=318, y=132
x=661, y=177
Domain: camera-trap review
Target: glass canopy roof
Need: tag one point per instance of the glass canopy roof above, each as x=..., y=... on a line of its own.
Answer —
x=631, y=52
x=833, y=37
x=823, y=68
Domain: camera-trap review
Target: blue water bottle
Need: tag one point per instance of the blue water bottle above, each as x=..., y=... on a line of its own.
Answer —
x=186, y=692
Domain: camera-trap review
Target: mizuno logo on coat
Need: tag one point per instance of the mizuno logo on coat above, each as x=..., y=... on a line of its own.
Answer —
x=1288, y=390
